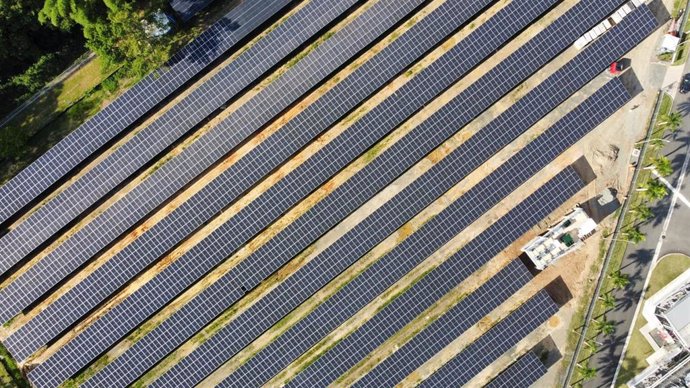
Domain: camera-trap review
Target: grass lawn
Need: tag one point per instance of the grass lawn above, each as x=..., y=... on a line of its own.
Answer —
x=639, y=349
x=61, y=97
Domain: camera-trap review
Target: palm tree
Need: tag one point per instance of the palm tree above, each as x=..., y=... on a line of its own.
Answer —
x=605, y=327
x=656, y=142
x=662, y=165
x=672, y=121
x=642, y=212
x=654, y=189
x=593, y=344
x=619, y=280
x=634, y=235
x=586, y=371
x=608, y=301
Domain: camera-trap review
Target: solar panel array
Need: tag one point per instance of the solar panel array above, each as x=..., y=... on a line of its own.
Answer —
x=206, y=307
x=231, y=281
x=137, y=258
x=521, y=374
x=493, y=343
x=210, y=200
x=379, y=171
x=381, y=16
x=435, y=233
x=389, y=269
x=57, y=162
x=477, y=304
x=186, y=9
x=170, y=127
x=95, y=236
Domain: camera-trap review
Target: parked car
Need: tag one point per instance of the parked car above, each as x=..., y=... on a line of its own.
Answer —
x=685, y=84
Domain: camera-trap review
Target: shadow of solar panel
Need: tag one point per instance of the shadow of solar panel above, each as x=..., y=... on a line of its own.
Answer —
x=477, y=356
x=133, y=104
x=170, y=127
x=521, y=374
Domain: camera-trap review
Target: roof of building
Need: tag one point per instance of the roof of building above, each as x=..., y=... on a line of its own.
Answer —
x=679, y=315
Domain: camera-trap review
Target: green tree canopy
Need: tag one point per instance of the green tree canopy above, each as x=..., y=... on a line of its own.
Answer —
x=113, y=29
x=642, y=212
x=619, y=279
x=672, y=121
x=654, y=190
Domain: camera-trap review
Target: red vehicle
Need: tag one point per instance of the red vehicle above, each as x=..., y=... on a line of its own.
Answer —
x=616, y=68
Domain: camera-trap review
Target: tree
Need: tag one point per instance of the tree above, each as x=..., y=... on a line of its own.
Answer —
x=586, y=371
x=656, y=142
x=662, y=165
x=619, y=279
x=608, y=301
x=642, y=212
x=654, y=190
x=672, y=121
x=634, y=235
x=113, y=29
x=605, y=327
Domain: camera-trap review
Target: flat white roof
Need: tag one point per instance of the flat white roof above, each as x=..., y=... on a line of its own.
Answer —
x=679, y=315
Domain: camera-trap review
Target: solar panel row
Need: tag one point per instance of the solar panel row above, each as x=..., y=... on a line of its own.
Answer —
x=186, y=9
x=170, y=127
x=91, y=239
x=493, y=343
x=230, y=282
x=521, y=374
x=376, y=20
x=435, y=233
x=395, y=264
x=179, y=333
x=133, y=104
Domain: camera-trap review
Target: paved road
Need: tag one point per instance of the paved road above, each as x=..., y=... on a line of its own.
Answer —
x=638, y=258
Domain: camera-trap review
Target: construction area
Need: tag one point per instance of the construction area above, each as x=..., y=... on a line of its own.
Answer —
x=317, y=193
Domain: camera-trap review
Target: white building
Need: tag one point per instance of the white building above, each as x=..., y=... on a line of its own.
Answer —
x=565, y=237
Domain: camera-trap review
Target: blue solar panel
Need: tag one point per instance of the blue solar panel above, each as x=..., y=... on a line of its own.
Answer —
x=171, y=230
x=369, y=27
x=86, y=191
x=434, y=234
x=132, y=105
x=473, y=359
x=476, y=305
x=521, y=374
